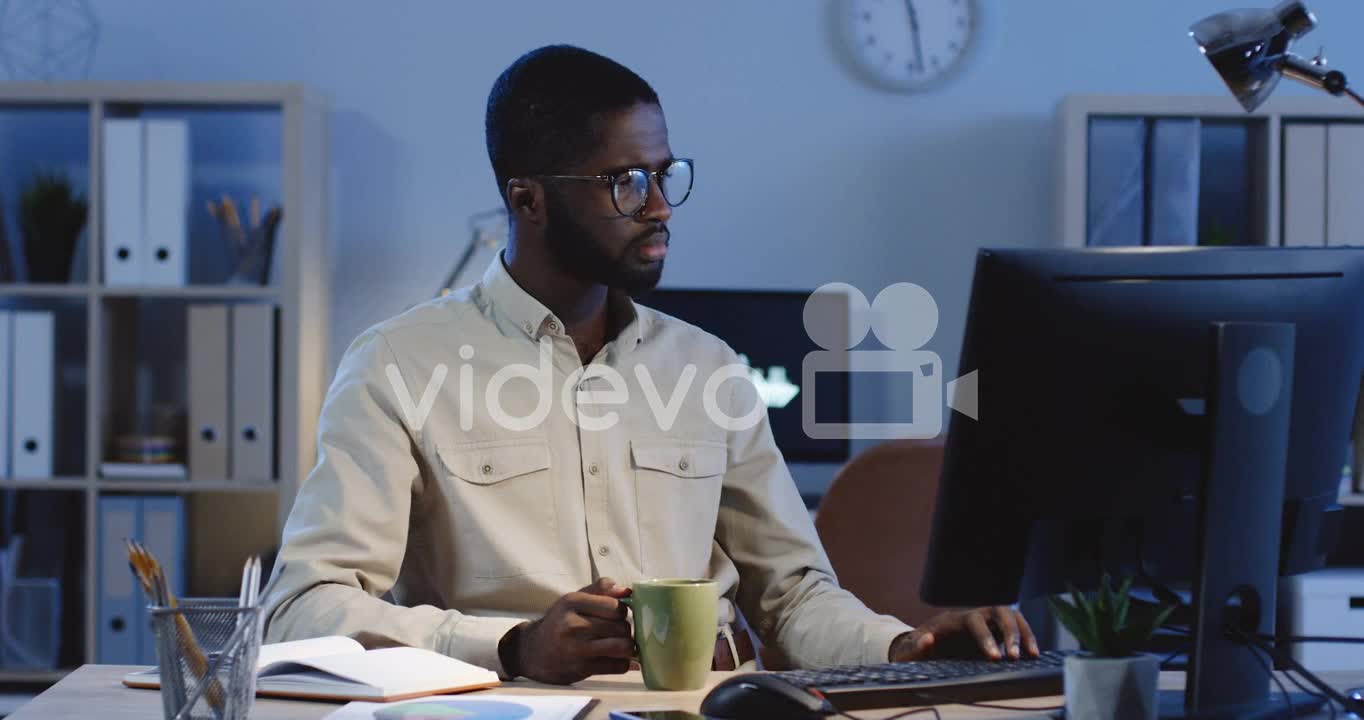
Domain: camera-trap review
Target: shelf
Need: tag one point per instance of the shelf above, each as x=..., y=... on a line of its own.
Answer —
x=185, y=486
x=227, y=292
x=159, y=93
x=258, y=139
x=44, y=289
x=57, y=483
x=80, y=290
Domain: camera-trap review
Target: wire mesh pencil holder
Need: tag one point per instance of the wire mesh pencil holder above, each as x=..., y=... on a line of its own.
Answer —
x=207, y=651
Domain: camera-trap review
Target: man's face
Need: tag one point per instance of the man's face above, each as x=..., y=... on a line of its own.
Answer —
x=585, y=234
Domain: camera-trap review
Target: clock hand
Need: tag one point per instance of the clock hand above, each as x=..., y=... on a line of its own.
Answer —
x=914, y=32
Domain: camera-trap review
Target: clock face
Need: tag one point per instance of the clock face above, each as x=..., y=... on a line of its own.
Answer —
x=909, y=44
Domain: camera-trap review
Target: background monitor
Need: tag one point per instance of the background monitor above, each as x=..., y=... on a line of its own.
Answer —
x=767, y=327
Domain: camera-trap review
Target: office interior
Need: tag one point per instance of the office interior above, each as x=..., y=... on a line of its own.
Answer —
x=311, y=168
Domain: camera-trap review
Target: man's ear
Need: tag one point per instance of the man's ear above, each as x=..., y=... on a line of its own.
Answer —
x=526, y=200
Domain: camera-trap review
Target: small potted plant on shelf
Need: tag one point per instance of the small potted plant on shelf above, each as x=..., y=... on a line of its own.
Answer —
x=52, y=216
x=1111, y=679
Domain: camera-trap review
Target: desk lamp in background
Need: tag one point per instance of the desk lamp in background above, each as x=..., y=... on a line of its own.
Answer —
x=487, y=235
x=1250, y=50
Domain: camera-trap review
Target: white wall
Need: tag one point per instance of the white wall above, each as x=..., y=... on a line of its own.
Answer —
x=805, y=174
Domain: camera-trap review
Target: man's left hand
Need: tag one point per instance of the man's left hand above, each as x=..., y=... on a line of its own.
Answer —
x=994, y=632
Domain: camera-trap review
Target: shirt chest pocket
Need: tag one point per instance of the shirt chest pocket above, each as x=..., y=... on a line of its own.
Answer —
x=502, y=493
x=677, y=489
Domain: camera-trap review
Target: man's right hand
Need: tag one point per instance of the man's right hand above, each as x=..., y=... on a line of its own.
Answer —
x=584, y=633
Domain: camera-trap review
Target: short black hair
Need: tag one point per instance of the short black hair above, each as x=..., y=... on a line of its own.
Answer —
x=541, y=110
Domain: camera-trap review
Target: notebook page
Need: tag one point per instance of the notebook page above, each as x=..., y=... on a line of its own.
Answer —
x=296, y=650
x=530, y=707
x=402, y=669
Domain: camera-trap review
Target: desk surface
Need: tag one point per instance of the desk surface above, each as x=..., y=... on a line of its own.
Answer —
x=99, y=687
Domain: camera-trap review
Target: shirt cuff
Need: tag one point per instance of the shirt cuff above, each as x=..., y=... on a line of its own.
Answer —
x=474, y=640
x=879, y=638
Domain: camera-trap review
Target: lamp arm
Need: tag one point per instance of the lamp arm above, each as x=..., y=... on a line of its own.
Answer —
x=1316, y=75
x=478, y=235
x=463, y=262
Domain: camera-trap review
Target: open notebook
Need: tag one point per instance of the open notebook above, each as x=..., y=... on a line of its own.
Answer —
x=339, y=668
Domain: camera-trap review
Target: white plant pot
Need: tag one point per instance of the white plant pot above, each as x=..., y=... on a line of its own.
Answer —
x=1112, y=688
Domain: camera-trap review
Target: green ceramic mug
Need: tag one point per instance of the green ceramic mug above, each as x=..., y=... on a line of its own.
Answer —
x=675, y=628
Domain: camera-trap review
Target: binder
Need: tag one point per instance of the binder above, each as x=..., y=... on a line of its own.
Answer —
x=207, y=354
x=32, y=394
x=123, y=201
x=163, y=533
x=1115, y=213
x=120, y=610
x=1344, y=184
x=1304, y=185
x=6, y=354
x=253, y=416
x=166, y=183
x=1175, y=152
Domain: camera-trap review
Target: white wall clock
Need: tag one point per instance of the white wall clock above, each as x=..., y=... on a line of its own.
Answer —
x=909, y=45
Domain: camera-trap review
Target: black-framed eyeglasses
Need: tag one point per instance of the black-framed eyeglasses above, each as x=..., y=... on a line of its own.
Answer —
x=630, y=187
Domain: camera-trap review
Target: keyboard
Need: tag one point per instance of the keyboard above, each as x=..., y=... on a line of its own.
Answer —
x=932, y=682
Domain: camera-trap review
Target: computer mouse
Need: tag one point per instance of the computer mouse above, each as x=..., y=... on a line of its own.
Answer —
x=760, y=695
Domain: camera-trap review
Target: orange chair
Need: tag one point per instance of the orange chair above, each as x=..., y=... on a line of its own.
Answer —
x=875, y=522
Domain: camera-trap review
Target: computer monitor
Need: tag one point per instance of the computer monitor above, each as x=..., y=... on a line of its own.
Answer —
x=766, y=327
x=1179, y=414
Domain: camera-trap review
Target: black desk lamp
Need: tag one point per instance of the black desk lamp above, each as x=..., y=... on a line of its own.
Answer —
x=1250, y=50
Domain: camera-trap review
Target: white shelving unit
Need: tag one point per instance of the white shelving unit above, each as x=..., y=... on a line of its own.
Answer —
x=1267, y=127
x=226, y=519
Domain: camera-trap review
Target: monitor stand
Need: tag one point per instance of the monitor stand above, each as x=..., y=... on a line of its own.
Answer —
x=1240, y=512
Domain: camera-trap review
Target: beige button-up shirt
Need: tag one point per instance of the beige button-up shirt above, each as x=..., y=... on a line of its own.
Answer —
x=473, y=469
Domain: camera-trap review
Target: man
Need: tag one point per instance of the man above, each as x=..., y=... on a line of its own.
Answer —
x=472, y=468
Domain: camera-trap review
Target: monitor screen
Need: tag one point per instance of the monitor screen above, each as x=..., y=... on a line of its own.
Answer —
x=767, y=329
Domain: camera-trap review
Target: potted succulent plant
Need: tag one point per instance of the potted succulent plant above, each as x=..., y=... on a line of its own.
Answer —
x=1112, y=679
x=52, y=216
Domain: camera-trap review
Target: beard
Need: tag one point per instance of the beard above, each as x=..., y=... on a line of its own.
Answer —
x=582, y=255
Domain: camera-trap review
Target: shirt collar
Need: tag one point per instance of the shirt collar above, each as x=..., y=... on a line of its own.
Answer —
x=533, y=319
x=513, y=303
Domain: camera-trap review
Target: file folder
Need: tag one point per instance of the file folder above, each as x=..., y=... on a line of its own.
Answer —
x=1173, y=168
x=32, y=394
x=123, y=201
x=166, y=183
x=1345, y=183
x=208, y=355
x=253, y=416
x=163, y=533
x=121, y=608
x=6, y=359
x=1115, y=215
x=1304, y=185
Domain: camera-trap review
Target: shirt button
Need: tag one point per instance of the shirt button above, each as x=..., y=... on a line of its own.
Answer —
x=603, y=551
x=682, y=464
x=487, y=469
x=530, y=328
x=592, y=468
x=553, y=326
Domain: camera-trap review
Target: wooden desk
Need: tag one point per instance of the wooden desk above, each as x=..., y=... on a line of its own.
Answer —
x=97, y=691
